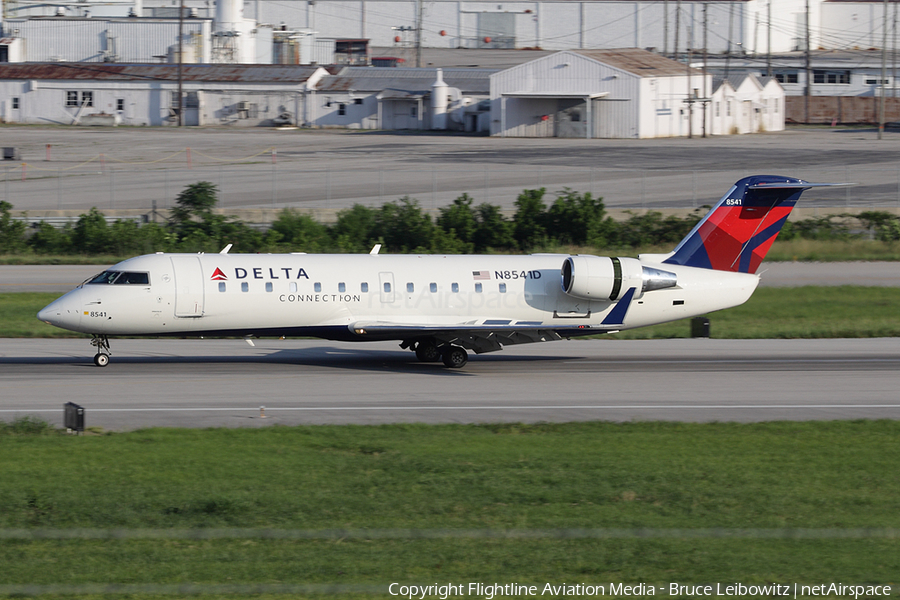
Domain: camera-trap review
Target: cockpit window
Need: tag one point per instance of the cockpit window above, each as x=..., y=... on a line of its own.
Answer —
x=105, y=277
x=133, y=278
x=121, y=277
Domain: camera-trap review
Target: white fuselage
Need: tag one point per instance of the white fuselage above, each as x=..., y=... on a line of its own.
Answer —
x=326, y=295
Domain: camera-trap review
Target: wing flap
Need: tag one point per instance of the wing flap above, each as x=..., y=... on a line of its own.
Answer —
x=479, y=338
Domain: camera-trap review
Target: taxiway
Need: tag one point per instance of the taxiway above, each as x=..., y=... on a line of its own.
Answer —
x=216, y=383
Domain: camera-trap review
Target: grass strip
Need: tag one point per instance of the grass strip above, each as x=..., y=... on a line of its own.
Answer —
x=836, y=478
x=803, y=312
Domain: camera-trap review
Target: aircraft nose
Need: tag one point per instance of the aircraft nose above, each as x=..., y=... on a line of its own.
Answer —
x=62, y=312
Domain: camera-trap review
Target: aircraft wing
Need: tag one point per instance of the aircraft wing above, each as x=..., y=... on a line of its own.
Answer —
x=479, y=336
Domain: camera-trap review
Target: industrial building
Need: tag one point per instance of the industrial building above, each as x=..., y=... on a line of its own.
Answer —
x=111, y=94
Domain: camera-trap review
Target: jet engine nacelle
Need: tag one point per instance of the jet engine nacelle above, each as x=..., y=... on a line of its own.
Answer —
x=606, y=278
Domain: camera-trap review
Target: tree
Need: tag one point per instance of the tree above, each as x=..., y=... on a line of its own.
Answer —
x=91, y=233
x=530, y=218
x=494, y=230
x=355, y=229
x=12, y=232
x=579, y=219
x=300, y=232
x=196, y=201
x=404, y=227
x=459, y=220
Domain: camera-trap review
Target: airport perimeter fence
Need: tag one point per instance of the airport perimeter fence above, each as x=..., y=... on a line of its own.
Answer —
x=275, y=184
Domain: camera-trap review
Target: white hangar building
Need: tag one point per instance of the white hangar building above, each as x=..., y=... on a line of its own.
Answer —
x=108, y=94
x=621, y=93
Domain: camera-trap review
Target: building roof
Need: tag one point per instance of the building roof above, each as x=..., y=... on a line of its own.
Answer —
x=372, y=79
x=637, y=61
x=160, y=72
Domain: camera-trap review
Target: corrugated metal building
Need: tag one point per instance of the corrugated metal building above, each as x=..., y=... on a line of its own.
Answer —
x=73, y=93
x=620, y=93
x=399, y=98
x=79, y=39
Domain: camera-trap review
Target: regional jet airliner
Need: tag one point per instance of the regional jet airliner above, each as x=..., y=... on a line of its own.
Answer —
x=437, y=306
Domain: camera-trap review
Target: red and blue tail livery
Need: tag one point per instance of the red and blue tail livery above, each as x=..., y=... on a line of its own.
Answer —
x=738, y=232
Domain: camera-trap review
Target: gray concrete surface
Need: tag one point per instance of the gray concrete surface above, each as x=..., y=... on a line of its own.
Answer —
x=62, y=278
x=205, y=383
x=135, y=168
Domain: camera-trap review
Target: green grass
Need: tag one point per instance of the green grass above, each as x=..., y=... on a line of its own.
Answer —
x=831, y=475
x=804, y=312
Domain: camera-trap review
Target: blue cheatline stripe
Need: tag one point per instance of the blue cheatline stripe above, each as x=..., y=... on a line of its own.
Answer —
x=498, y=322
x=617, y=315
x=756, y=241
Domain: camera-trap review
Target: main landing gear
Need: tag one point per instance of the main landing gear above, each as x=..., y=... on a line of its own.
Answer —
x=427, y=350
x=101, y=343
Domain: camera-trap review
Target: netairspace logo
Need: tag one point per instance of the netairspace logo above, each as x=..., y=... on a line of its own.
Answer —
x=490, y=591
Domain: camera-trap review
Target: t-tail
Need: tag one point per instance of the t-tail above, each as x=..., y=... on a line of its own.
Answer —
x=738, y=232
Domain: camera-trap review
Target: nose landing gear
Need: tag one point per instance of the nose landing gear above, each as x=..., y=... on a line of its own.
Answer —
x=101, y=343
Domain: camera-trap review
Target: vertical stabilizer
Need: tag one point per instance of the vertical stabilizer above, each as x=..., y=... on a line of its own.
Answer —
x=738, y=232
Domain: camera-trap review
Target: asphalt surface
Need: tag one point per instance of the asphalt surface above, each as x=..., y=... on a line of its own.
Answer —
x=139, y=168
x=62, y=278
x=207, y=383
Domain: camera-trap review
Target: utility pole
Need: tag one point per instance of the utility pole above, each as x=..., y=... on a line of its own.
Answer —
x=808, y=68
x=666, y=28
x=883, y=70
x=705, y=97
x=894, y=54
x=419, y=34
x=180, y=62
x=677, y=27
x=690, y=97
x=769, y=41
x=730, y=28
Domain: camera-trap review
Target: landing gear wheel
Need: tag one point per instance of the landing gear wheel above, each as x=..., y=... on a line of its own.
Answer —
x=427, y=351
x=101, y=343
x=455, y=357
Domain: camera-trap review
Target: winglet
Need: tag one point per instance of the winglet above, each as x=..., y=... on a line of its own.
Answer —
x=375, y=249
x=226, y=249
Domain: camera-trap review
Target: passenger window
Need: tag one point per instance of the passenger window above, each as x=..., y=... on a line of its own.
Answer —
x=268, y=286
x=317, y=286
x=432, y=287
x=502, y=288
x=477, y=288
x=410, y=288
x=342, y=287
x=364, y=287
x=454, y=287
x=245, y=287
x=293, y=286
x=387, y=286
x=221, y=286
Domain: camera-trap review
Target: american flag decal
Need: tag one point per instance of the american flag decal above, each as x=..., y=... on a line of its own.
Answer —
x=481, y=275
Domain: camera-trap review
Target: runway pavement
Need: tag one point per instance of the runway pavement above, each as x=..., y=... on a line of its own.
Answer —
x=206, y=383
x=62, y=278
